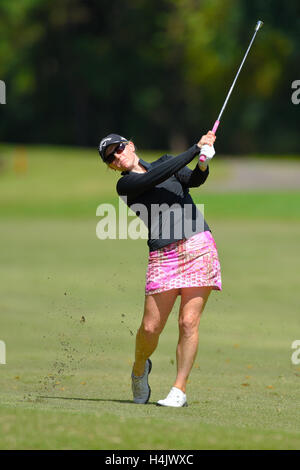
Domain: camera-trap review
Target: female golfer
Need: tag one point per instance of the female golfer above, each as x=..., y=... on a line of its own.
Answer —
x=183, y=258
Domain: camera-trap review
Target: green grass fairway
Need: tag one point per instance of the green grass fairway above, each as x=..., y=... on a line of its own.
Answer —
x=70, y=305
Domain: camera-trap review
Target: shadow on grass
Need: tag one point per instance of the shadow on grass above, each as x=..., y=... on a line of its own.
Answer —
x=94, y=399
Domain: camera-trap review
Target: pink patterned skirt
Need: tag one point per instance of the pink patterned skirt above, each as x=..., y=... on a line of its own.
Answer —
x=187, y=263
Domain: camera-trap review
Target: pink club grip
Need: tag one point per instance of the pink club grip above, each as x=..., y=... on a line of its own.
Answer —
x=214, y=129
x=216, y=125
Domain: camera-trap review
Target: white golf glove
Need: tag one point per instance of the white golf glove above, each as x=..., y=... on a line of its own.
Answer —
x=208, y=151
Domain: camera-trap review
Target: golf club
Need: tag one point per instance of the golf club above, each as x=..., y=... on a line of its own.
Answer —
x=216, y=124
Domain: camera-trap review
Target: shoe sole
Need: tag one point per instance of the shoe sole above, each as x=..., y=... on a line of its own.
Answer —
x=166, y=406
x=150, y=368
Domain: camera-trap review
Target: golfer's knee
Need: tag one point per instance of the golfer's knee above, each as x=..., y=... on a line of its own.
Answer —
x=188, y=325
x=150, y=329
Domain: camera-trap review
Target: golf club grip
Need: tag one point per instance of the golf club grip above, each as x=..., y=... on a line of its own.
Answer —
x=214, y=129
x=216, y=125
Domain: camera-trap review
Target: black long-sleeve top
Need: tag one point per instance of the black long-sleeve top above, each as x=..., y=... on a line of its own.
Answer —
x=160, y=197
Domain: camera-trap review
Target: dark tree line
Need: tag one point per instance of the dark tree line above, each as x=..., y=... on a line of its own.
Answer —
x=155, y=71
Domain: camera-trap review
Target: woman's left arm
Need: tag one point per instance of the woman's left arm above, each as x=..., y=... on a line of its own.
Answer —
x=192, y=178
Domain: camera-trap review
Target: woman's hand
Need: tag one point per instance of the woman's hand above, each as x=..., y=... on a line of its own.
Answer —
x=207, y=139
x=206, y=145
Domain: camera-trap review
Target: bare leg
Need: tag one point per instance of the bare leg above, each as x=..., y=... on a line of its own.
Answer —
x=156, y=311
x=193, y=300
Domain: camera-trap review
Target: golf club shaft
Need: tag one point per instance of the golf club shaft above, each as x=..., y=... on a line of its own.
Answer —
x=216, y=124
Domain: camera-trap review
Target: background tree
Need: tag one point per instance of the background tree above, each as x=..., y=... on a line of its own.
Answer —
x=156, y=71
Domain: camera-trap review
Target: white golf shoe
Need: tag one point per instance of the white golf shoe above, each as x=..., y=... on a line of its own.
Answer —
x=176, y=399
x=140, y=387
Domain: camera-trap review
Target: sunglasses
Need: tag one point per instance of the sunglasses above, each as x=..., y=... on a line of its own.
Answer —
x=111, y=156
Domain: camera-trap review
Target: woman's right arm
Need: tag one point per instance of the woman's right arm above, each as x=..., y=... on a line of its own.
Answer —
x=134, y=184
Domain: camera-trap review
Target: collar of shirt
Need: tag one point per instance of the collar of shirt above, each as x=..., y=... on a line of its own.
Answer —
x=142, y=162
